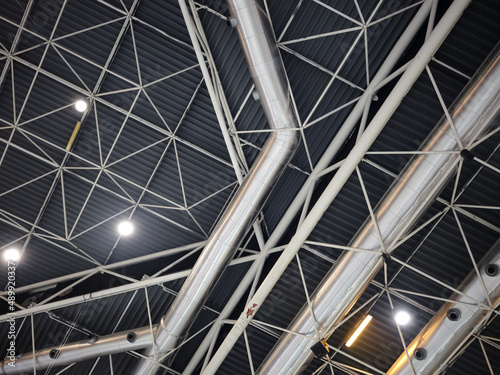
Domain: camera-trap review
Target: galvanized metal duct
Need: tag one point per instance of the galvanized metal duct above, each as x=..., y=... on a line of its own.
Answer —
x=411, y=74
x=354, y=116
x=269, y=76
x=332, y=150
x=134, y=339
x=407, y=199
x=454, y=322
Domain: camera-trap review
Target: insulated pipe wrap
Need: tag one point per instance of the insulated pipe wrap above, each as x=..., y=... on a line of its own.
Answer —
x=474, y=111
x=270, y=80
x=441, y=336
x=79, y=351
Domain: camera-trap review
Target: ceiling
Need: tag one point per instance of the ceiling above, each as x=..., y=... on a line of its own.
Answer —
x=150, y=150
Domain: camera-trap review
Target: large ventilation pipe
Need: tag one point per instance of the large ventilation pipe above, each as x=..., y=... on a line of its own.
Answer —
x=347, y=128
x=411, y=74
x=106, y=345
x=332, y=150
x=455, y=321
x=270, y=80
x=473, y=112
x=134, y=339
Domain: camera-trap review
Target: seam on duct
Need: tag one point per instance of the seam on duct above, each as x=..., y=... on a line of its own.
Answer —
x=270, y=80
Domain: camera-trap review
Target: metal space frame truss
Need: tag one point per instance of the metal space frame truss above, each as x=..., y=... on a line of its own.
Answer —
x=235, y=146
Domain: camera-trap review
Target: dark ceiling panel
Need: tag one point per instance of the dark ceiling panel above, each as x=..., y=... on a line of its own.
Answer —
x=155, y=154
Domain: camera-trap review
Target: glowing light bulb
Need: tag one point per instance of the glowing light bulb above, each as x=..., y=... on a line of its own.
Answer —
x=125, y=228
x=402, y=318
x=81, y=105
x=12, y=255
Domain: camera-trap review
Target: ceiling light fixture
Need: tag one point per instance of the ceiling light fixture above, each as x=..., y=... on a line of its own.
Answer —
x=12, y=255
x=125, y=228
x=358, y=331
x=81, y=105
x=402, y=318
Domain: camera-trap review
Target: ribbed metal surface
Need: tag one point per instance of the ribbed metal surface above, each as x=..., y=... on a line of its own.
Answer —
x=164, y=49
x=443, y=254
x=405, y=131
x=308, y=82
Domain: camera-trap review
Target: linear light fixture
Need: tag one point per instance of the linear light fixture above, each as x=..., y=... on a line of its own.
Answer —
x=73, y=136
x=358, y=331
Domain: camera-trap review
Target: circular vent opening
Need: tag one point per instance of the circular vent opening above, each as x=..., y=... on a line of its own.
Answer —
x=54, y=353
x=420, y=354
x=453, y=314
x=131, y=337
x=492, y=270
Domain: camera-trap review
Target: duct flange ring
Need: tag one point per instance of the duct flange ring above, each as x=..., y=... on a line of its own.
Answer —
x=54, y=353
x=420, y=354
x=131, y=337
x=454, y=314
x=492, y=270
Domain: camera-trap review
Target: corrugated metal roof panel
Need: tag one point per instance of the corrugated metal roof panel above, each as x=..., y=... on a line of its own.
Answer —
x=163, y=48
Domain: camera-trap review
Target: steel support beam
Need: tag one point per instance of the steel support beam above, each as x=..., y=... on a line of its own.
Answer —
x=124, y=263
x=392, y=102
x=217, y=98
x=352, y=120
x=333, y=149
x=15, y=43
x=472, y=114
x=114, y=291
